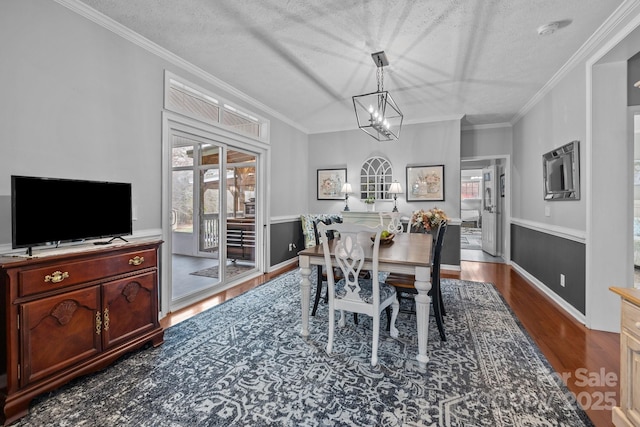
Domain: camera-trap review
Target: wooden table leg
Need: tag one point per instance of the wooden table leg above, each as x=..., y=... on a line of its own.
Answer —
x=423, y=285
x=305, y=292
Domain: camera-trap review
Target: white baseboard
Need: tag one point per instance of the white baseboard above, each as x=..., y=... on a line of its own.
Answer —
x=450, y=267
x=286, y=263
x=555, y=297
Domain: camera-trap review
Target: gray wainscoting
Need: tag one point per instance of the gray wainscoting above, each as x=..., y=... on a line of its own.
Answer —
x=451, y=246
x=282, y=234
x=546, y=256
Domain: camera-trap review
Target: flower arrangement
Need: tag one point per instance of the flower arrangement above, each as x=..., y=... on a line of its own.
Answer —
x=428, y=220
x=370, y=200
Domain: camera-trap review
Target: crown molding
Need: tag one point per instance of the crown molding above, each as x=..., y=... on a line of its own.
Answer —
x=434, y=119
x=621, y=13
x=486, y=126
x=137, y=39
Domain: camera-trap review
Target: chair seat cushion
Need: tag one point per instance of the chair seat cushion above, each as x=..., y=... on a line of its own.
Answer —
x=366, y=290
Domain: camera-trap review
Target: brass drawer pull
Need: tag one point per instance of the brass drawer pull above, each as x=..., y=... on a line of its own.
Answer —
x=136, y=260
x=98, y=323
x=106, y=319
x=56, y=277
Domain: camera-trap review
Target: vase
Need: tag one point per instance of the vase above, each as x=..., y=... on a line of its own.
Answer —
x=370, y=207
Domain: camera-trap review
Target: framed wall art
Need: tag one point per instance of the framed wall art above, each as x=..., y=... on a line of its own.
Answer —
x=330, y=183
x=425, y=183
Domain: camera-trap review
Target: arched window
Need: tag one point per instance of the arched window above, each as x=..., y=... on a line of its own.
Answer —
x=376, y=176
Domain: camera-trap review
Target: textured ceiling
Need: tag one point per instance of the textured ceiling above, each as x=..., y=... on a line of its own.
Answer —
x=305, y=59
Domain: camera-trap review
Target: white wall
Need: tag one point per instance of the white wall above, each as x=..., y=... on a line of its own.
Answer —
x=425, y=144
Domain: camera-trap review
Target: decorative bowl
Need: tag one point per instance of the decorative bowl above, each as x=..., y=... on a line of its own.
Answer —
x=384, y=240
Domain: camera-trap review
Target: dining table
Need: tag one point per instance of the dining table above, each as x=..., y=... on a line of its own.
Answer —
x=408, y=253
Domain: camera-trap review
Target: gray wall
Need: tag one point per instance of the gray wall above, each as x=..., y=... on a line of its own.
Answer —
x=557, y=119
x=491, y=141
x=420, y=144
x=603, y=216
x=79, y=102
x=633, y=76
x=435, y=143
x=82, y=102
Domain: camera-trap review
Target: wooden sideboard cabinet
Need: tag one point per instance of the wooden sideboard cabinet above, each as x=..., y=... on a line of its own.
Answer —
x=66, y=315
x=627, y=414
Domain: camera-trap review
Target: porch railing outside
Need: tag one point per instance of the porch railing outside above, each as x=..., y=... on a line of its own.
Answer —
x=210, y=232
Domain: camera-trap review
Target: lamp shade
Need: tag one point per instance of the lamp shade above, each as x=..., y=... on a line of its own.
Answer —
x=346, y=188
x=395, y=188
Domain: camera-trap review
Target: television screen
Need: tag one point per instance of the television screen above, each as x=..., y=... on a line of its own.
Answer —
x=53, y=210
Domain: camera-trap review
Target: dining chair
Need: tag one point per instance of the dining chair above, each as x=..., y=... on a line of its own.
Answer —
x=405, y=283
x=321, y=272
x=394, y=225
x=353, y=292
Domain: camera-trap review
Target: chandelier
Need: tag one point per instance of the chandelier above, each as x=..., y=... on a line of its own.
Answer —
x=376, y=112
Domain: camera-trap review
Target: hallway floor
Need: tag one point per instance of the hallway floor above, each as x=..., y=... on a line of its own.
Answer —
x=478, y=255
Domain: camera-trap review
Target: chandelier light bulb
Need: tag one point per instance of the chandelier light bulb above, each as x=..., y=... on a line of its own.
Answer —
x=375, y=114
x=370, y=109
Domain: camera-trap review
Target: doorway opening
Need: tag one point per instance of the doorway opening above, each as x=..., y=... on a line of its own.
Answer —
x=212, y=214
x=482, y=206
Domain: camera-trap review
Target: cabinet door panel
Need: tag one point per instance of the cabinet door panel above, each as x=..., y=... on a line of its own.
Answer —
x=632, y=368
x=58, y=332
x=130, y=308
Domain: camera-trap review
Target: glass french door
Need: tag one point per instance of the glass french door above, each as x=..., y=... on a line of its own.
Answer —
x=241, y=212
x=213, y=213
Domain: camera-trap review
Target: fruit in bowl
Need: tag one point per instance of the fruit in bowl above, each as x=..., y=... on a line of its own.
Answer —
x=385, y=237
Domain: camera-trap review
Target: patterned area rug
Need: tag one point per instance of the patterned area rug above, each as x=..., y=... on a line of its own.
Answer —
x=232, y=270
x=243, y=363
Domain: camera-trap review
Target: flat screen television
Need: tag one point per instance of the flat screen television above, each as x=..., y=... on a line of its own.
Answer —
x=53, y=210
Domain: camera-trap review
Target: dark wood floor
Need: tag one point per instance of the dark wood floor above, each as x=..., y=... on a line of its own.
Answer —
x=586, y=357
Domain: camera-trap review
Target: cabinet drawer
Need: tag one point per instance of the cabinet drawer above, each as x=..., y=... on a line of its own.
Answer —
x=61, y=275
x=631, y=318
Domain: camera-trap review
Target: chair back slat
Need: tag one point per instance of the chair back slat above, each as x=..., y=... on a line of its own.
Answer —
x=395, y=224
x=349, y=255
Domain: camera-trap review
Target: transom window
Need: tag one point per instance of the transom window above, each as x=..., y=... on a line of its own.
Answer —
x=376, y=176
x=195, y=102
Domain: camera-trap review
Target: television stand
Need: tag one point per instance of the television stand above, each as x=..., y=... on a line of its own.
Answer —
x=108, y=242
x=72, y=314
